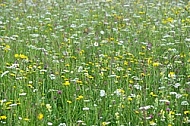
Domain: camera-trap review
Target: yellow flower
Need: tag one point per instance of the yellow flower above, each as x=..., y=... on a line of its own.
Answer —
x=3, y=117
x=141, y=12
x=155, y=64
x=26, y=119
x=8, y=103
x=125, y=63
x=152, y=94
x=7, y=47
x=129, y=99
x=152, y=123
x=137, y=112
x=131, y=81
x=69, y=101
x=22, y=56
x=40, y=116
x=16, y=55
x=67, y=83
x=171, y=74
x=79, y=97
x=105, y=123
x=67, y=65
x=186, y=112
x=149, y=61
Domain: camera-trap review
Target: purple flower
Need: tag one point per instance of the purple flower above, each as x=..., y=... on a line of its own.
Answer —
x=167, y=109
x=59, y=92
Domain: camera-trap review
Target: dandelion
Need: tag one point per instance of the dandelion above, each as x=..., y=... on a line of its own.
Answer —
x=152, y=123
x=79, y=97
x=3, y=117
x=40, y=116
x=129, y=99
x=16, y=55
x=68, y=101
x=186, y=112
x=26, y=119
x=67, y=83
x=7, y=48
x=131, y=81
x=22, y=56
x=172, y=75
x=156, y=64
x=152, y=94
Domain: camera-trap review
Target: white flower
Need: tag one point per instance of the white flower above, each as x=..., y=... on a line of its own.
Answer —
x=48, y=106
x=164, y=100
x=62, y=124
x=187, y=39
x=173, y=93
x=138, y=87
x=22, y=94
x=12, y=105
x=52, y=76
x=177, y=85
x=80, y=69
x=112, y=75
x=102, y=32
x=79, y=121
x=4, y=73
x=146, y=107
x=184, y=103
x=73, y=26
x=178, y=96
x=86, y=109
x=50, y=124
x=96, y=44
x=102, y=93
x=118, y=92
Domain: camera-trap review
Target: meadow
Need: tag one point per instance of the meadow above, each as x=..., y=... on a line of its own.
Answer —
x=94, y=63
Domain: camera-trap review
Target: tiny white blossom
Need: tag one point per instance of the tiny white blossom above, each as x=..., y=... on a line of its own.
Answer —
x=96, y=44
x=50, y=124
x=86, y=109
x=102, y=32
x=102, y=93
x=22, y=94
x=62, y=124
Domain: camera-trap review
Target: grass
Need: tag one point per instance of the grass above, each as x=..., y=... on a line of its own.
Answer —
x=116, y=63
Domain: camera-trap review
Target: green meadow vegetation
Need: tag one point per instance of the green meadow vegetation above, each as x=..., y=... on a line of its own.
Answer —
x=94, y=63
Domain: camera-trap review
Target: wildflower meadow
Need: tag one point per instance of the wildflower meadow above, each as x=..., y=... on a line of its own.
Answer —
x=94, y=62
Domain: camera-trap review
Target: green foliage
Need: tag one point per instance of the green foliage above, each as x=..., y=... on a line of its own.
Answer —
x=94, y=63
